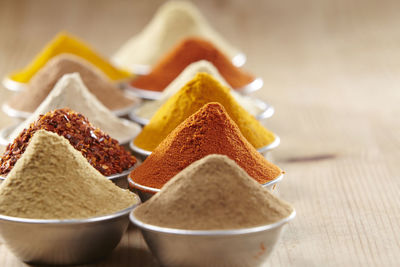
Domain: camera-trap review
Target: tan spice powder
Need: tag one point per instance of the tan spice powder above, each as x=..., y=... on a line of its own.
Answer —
x=52, y=180
x=210, y=194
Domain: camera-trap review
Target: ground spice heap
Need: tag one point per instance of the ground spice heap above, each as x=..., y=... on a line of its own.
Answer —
x=228, y=199
x=66, y=43
x=45, y=80
x=184, y=53
x=174, y=21
x=71, y=92
x=101, y=151
x=148, y=109
x=52, y=180
x=190, y=98
x=209, y=131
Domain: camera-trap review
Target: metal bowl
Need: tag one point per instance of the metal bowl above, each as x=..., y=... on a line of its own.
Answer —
x=5, y=134
x=266, y=112
x=237, y=247
x=251, y=87
x=143, y=93
x=137, y=151
x=146, y=192
x=66, y=242
x=266, y=149
x=12, y=85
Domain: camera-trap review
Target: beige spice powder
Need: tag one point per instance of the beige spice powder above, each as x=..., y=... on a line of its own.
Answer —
x=210, y=194
x=52, y=180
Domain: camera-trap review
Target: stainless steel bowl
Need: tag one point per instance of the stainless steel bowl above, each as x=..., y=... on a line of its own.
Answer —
x=139, y=152
x=251, y=87
x=240, y=247
x=146, y=192
x=13, y=113
x=12, y=85
x=266, y=149
x=64, y=242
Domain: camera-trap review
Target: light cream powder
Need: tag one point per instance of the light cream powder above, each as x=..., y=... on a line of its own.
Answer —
x=148, y=109
x=173, y=21
x=52, y=180
x=72, y=93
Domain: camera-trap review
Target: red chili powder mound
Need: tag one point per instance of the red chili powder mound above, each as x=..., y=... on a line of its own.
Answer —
x=103, y=152
x=208, y=131
x=184, y=53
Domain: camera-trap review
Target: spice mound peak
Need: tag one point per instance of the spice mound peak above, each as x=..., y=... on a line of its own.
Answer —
x=183, y=54
x=66, y=43
x=202, y=89
x=70, y=91
x=208, y=131
x=174, y=21
x=228, y=199
x=52, y=180
x=101, y=151
x=47, y=77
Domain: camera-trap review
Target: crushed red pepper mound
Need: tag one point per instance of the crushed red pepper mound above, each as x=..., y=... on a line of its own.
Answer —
x=102, y=152
x=183, y=54
x=208, y=131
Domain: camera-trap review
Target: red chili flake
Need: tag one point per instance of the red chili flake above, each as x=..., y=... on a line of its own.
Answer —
x=102, y=152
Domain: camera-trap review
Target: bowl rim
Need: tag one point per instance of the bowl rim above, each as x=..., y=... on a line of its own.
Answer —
x=227, y=232
x=72, y=221
x=153, y=190
x=251, y=87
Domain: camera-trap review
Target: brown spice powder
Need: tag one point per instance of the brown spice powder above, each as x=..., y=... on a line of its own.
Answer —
x=45, y=79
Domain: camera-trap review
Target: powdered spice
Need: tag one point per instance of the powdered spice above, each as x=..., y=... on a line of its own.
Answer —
x=202, y=89
x=101, y=151
x=46, y=78
x=228, y=199
x=52, y=180
x=184, y=53
x=209, y=131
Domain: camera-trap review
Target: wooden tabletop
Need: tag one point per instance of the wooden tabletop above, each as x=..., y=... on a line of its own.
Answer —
x=332, y=72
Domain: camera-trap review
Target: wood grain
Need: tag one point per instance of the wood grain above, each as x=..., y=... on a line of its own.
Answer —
x=331, y=69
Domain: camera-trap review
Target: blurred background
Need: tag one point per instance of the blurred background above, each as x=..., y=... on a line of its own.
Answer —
x=331, y=70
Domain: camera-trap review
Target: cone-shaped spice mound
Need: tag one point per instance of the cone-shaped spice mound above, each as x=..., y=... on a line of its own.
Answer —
x=190, y=98
x=101, y=151
x=71, y=92
x=45, y=79
x=66, y=43
x=52, y=180
x=228, y=199
x=174, y=21
x=148, y=109
x=183, y=54
x=208, y=131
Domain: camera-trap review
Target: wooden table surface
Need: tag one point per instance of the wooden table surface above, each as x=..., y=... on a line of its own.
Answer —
x=331, y=70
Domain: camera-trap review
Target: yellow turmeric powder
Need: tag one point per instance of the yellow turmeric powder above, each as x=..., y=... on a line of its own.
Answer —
x=202, y=89
x=66, y=43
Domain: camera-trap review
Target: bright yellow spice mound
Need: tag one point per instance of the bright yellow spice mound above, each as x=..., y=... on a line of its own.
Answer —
x=66, y=43
x=190, y=98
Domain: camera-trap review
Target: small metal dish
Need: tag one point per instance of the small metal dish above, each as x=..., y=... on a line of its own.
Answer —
x=237, y=247
x=139, y=152
x=239, y=60
x=12, y=85
x=13, y=113
x=266, y=149
x=143, y=93
x=146, y=192
x=251, y=87
x=266, y=112
x=65, y=242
